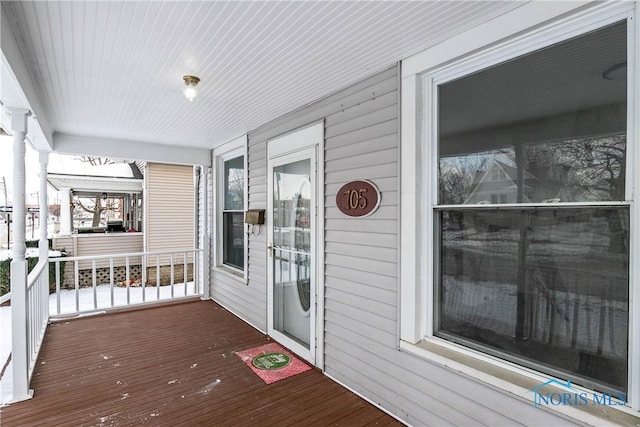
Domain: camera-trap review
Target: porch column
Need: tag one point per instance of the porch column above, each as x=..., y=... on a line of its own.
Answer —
x=19, y=350
x=65, y=211
x=206, y=233
x=43, y=244
x=43, y=202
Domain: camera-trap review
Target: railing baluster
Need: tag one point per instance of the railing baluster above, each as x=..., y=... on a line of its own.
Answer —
x=196, y=272
x=30, y=329
x=185, y=270
x=34, y=316
x=76, y=286
x=45, y=297
x=58, y=287
x=158, y=278
x=111, y=281
x=29, y=326
x=32, y=322
x=93, y=281
x=143, y=266
x=36, y=324
x=172, y=278
x=126, y=275
x=36, y=310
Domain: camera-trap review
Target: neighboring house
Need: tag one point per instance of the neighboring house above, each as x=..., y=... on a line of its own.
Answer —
x=498, y=184
x=170, y=216
x=151, y=213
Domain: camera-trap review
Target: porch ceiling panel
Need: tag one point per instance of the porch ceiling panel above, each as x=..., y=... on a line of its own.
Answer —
x=114, y=69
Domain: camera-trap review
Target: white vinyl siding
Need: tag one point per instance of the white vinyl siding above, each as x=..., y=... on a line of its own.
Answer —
x=229, y=286
x=100, y=244
x=97, y=244
x=361, y=269
x=361, y=276
x=169, y=208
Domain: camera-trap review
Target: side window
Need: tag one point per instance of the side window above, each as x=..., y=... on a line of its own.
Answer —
x=233, y=213
x=230, y=202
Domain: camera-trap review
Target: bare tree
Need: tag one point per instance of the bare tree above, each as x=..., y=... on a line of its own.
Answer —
x=592, y=169
x=95, y=207
x=96, y=161
x=581, y=169
x=456, y=177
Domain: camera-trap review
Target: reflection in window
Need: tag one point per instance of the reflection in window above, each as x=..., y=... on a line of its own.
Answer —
x=92, y=212
x=291, y=206
x=529, y=283
x=546, y=287
x=233, y=214
x=575, y=170
x=292, y=276
x=234, y=184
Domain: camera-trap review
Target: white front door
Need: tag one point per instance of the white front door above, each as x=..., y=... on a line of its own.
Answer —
x=292, y=236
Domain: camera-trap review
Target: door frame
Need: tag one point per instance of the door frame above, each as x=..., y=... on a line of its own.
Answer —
x=299, y=140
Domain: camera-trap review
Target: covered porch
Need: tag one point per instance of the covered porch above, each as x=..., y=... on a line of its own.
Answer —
x=291, y=109
x=173, y=365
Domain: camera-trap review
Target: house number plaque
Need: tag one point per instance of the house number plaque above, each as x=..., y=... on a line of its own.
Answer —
x=358, y=198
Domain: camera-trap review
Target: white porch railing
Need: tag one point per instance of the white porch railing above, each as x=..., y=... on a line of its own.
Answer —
x=37, y=311
x=104, y=290
x=4, y=298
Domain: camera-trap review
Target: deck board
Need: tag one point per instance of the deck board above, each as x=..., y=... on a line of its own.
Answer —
x=173, y=365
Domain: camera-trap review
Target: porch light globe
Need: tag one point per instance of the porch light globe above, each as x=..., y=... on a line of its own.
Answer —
x=191, y=82
x=190, y=92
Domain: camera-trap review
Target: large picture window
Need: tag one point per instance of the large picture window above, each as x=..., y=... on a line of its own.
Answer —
x=532, y=213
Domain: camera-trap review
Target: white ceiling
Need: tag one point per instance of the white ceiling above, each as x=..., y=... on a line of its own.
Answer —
x=114, y=69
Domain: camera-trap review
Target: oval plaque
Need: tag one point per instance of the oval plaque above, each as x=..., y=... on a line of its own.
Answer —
x=358, y=198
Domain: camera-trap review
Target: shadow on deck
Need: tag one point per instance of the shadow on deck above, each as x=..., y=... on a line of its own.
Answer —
x=173, y=365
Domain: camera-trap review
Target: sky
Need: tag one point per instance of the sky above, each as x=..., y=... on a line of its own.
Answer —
x=57, y=163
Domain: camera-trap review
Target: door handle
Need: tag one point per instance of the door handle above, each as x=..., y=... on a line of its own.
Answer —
x=270, y=248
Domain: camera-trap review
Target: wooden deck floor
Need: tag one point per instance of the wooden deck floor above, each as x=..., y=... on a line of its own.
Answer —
x=175, y=366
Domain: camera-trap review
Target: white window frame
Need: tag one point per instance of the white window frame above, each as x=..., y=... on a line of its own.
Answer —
x=525, y=29
x=221, y=154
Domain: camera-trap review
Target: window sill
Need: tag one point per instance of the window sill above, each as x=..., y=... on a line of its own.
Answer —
x=515, y=381
x=229, y=272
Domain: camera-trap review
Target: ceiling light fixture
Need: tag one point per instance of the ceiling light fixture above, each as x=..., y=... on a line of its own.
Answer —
x=191, y=89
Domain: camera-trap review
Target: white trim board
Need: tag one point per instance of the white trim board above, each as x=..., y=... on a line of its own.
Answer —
x=286, y=144
x=235, y=148
x=132, y=150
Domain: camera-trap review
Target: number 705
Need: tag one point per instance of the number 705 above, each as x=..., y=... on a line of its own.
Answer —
x=356, y=198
